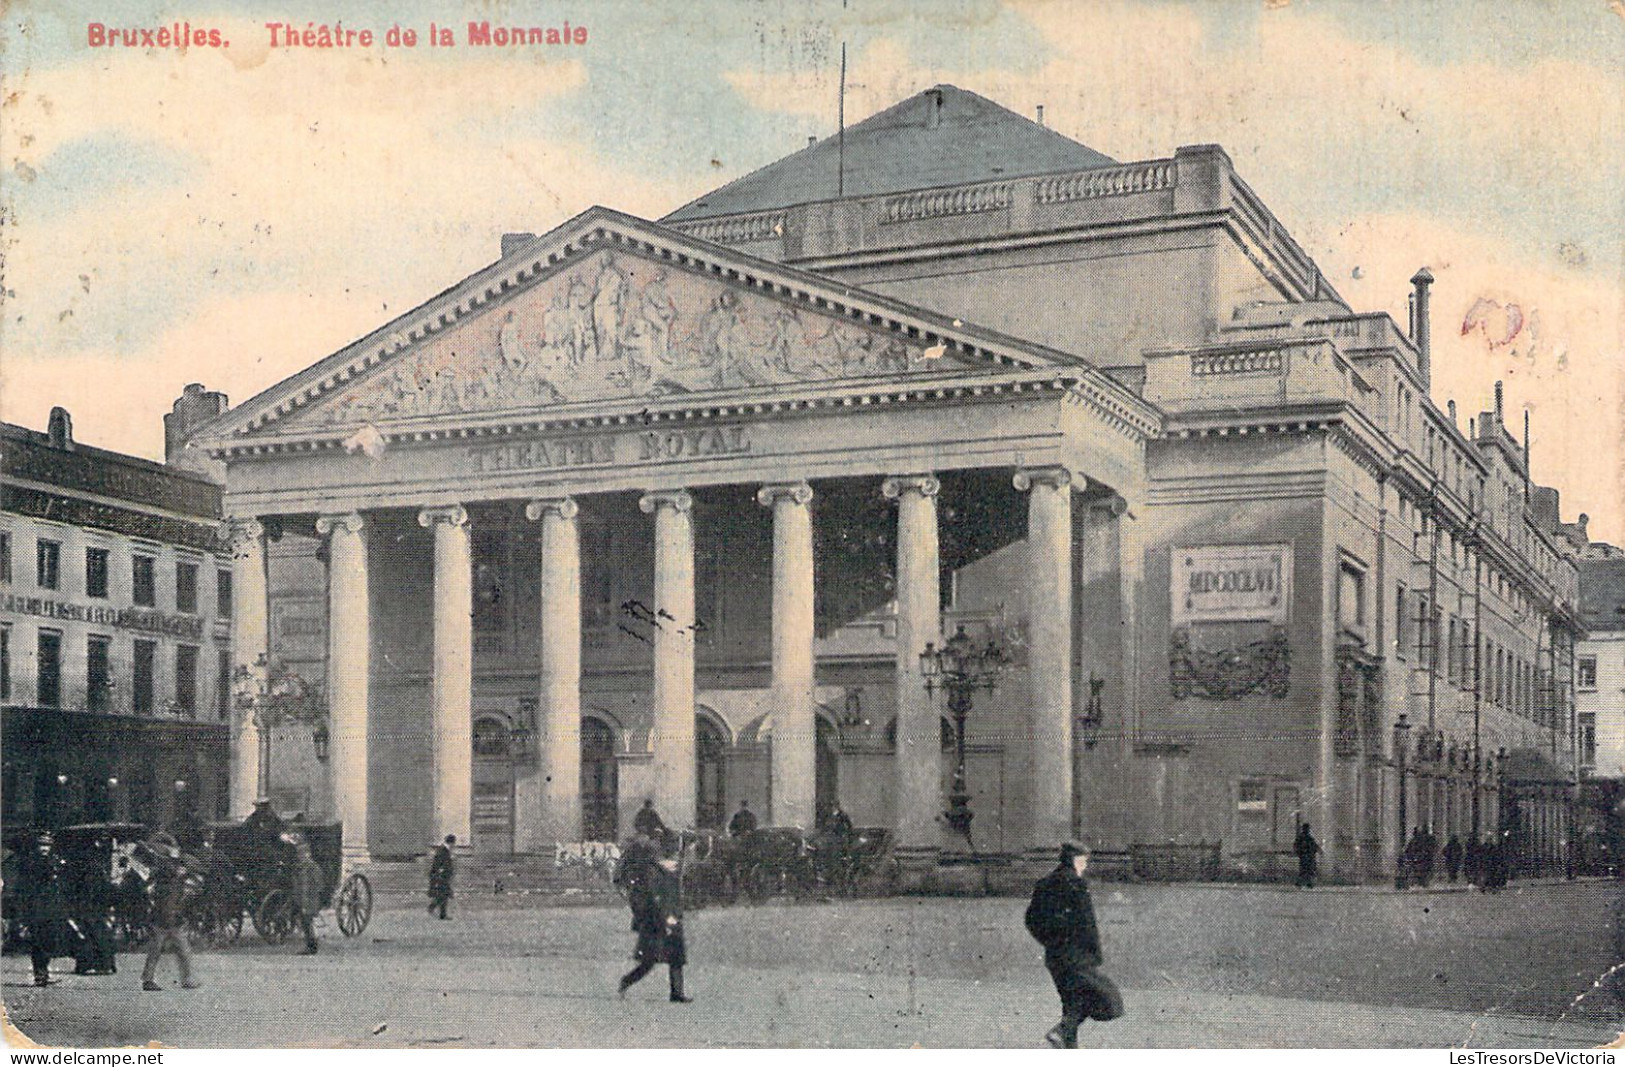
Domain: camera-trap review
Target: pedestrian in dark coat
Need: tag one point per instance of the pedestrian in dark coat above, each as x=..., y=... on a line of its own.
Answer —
x=174, y=882
x=44, y=906
x=743, y=822
x=655, y=892
x=1452, y=857
x=648, y=822
x=441, y=872
x=1473, y=863
x=1308, y=853
x=306, y=886
x=1427, y=847
x=1062, y=918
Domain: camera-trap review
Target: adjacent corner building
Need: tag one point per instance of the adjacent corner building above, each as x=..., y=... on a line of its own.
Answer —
x=116, y=598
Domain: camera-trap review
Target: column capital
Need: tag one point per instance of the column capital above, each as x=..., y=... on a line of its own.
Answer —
x=800, y=492
x=1054, y=477
x=898, y=484
x=450, y=514
x=565, y=507
x=1113, y=505
x=242, y=534
x=676, y=499
x=350, y=522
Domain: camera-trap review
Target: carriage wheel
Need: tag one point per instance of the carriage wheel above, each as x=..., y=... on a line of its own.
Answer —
x=274, y=917
x=354, y=904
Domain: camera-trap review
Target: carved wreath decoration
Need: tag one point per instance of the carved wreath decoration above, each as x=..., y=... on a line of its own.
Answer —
x=1262, y=666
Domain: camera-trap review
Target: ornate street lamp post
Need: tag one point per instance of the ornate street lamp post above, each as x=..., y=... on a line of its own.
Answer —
x=1402, y=730
x=272, y=697
x=960, y=668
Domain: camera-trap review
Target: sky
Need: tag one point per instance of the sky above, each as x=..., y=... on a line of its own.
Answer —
x=230, y=215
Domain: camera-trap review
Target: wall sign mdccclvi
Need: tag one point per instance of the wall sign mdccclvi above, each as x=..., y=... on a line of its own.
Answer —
x=1235, y=584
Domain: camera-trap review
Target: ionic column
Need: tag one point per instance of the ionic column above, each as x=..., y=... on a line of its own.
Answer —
x=673, y=692
x=555, y=799
x=453, y=685
x=349, y=662
x=919, y=620
x=250, y=647
x=795, y=729
x=1049, y=629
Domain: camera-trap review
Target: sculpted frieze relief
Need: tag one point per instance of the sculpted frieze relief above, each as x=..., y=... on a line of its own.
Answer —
x=615, y=327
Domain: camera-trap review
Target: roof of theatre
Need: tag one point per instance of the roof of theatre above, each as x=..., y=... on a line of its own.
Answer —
x=944, y=136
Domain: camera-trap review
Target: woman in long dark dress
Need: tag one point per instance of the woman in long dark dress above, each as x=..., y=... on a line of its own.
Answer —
x=654, y=892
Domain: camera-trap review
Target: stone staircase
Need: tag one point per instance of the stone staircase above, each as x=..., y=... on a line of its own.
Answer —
x=492, y=882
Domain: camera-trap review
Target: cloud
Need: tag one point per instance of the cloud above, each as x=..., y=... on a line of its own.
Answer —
x=320, y=195
x=1504, y=179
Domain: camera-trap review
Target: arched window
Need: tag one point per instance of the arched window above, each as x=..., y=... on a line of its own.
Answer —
x=947, y=734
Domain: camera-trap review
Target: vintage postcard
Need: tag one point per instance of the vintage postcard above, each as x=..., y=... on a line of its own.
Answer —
x=852, y=523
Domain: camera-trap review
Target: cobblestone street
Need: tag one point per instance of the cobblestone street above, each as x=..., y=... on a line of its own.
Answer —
x=1211, y=966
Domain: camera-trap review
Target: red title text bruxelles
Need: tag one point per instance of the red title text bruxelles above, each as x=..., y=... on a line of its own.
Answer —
x=322, y=36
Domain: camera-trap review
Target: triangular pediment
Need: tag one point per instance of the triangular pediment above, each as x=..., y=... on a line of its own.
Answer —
x=607, y=310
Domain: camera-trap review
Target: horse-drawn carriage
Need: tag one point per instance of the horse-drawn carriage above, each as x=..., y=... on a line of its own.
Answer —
x=782, y=861
x=248, y=871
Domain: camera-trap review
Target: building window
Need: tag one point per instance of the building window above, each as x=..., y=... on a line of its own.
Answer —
x=49, y=692
x=1402, y=624
x=5, y=663
x=48, y=564
x=222, y=594
x=490, y=551
x=141, y=679
x=186, y=680
x=186, y=588
x=1351, y=599
x=1252, y=802
x=1424, y=628
x=222, y=683
x=1588, y=738
x=5, y=556
x=99, y=674
x=96, y=572
x=1588, y=672
x=1452, y=654
x=144, y=580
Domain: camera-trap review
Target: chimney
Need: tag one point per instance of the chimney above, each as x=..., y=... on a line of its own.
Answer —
x=512, y=242
x=811, y=140
x=60, y=429
x=1472, y=429
x=1500, y=415
x=194, y=407
x=933, y=108
x=1526, y=482
x=1041, y=114
x=1420, y=332
x=1452, y=412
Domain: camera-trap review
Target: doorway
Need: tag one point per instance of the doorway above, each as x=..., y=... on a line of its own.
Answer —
x=600, y=786
x=493, y=786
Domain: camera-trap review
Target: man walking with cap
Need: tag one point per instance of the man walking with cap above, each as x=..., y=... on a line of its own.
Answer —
x=1062, y=919
x=174, y=882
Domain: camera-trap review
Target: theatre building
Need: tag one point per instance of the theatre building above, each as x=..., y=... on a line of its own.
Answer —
x=115, y=608
x=671, y=510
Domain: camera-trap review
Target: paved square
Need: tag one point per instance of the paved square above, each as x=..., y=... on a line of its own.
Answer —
x=1209, y=966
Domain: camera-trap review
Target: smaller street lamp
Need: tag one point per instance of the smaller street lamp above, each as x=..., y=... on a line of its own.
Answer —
x=271, y=697
x=960, y=668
